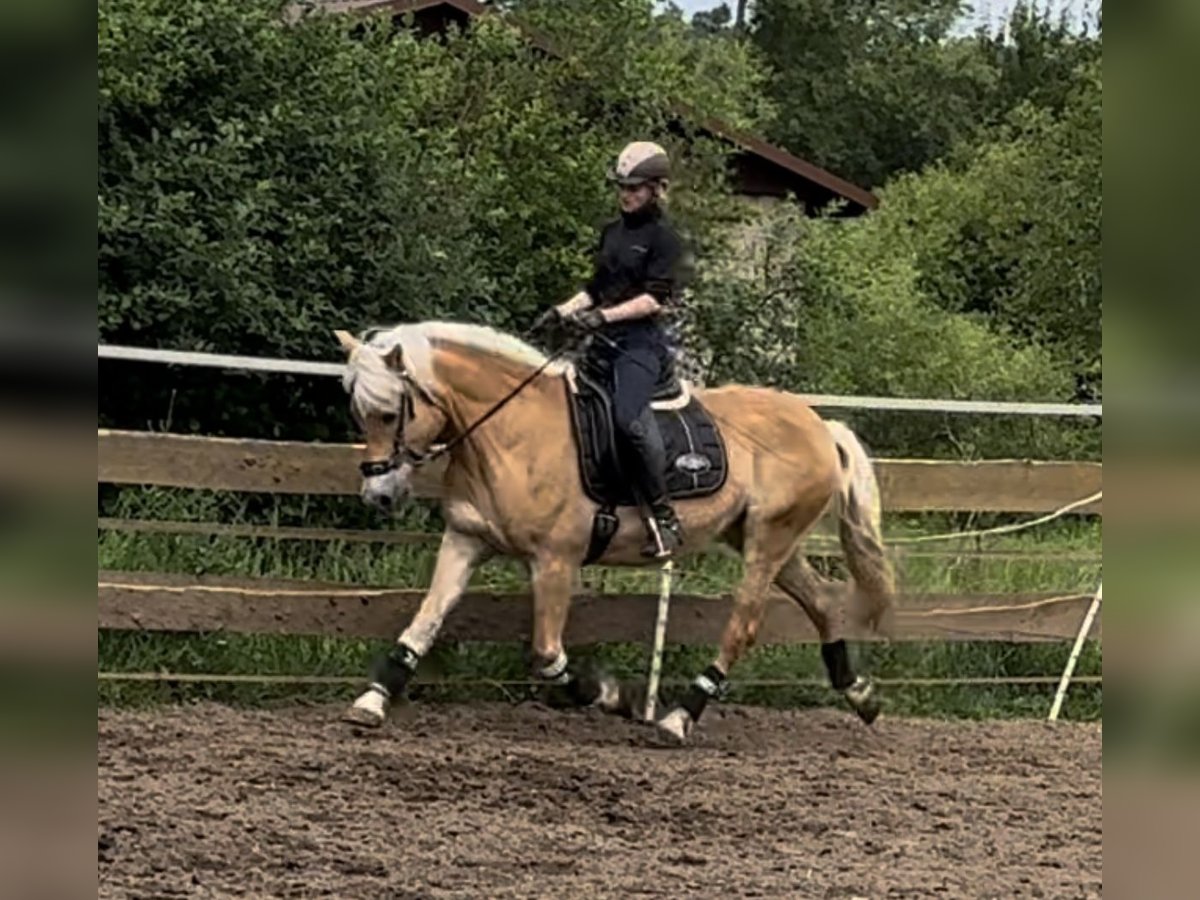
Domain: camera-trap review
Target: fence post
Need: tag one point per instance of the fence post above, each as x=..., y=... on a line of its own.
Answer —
x=660, y=636
x=1065, y=681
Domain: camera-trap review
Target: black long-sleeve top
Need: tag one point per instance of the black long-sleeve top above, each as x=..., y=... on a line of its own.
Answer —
x=639, y=253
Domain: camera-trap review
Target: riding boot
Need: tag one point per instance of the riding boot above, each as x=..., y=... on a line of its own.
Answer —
x=663, y=526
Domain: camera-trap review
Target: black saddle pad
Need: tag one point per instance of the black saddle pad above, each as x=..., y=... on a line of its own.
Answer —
x=696, y=460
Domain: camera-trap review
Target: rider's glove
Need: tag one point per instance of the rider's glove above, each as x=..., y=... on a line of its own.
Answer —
x=590, y=319
x=550, y=317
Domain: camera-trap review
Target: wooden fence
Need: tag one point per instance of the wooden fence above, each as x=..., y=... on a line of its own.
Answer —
x=286, y=467
x=166, y=602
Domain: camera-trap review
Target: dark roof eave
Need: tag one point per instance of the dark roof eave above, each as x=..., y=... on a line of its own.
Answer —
x=400, y=7
x=814, y=173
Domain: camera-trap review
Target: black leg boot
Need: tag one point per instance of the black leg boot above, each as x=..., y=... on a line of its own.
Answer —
x=663, y=527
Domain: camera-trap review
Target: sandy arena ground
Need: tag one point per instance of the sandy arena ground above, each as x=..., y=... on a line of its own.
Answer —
x=497, y=801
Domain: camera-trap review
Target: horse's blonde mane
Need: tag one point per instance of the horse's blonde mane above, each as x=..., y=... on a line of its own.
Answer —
x=374, y=385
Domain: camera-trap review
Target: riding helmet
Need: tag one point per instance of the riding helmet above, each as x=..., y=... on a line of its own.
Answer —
x=640, y=162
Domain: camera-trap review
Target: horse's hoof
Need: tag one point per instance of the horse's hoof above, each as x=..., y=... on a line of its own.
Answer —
x=368, y=711
x=608, y=694
x=630, y=700
x=362, y=718
x=593, y=687
x=864, y=699
x=677, y=725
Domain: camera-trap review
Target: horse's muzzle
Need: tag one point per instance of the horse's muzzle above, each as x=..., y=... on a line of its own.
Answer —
x=387, y=491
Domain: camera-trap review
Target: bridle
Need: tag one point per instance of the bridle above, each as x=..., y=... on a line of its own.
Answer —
x=404, y=455
x=401, y=453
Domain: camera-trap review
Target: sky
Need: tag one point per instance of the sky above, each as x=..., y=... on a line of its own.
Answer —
x=992, y=13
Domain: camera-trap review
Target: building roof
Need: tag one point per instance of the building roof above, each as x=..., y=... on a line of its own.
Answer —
x=764, y=168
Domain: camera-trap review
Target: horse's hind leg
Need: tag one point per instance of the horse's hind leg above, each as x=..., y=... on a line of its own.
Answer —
x=822, y=601
x=765, y=546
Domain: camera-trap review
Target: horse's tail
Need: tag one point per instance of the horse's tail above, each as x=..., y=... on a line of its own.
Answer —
x=860, y=529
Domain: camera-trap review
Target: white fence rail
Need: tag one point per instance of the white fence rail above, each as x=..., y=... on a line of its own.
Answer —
x=826, y=401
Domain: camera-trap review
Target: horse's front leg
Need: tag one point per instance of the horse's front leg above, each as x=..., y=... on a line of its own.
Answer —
x=552, y=581
x=458, y=557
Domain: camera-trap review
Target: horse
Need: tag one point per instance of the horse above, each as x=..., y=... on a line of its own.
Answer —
x=496, y=409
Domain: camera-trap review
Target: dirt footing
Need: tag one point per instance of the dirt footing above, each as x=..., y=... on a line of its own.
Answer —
x=496, y=801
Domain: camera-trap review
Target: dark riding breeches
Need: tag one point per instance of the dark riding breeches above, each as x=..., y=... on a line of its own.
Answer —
x=635, y=374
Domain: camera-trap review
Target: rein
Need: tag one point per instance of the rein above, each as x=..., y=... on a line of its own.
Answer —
x=415, y=459
x=402, y=454
x=466, y=432
x=422, y=459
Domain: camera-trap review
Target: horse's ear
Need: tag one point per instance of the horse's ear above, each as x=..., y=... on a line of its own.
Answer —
x=348, y=341
x=395, y=358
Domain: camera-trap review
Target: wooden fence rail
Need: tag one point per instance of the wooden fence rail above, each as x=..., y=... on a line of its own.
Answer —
x=818, y=544
x=164, y=602
x=286, y=467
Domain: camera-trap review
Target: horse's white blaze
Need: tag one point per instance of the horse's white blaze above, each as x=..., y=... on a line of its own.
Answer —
x=372, y=702
x=457, y=558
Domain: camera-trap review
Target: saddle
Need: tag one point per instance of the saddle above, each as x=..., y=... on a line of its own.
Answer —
x=697, y=465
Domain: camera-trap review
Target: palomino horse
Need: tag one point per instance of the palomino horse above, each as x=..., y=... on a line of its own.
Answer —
x=512, y=487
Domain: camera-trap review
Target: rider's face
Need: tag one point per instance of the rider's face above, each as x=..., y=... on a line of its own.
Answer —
x=634, y=198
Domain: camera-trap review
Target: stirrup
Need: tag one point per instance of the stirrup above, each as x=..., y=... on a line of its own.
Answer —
x=664, y=541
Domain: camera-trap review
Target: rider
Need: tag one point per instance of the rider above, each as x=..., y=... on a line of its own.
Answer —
x=636, y=280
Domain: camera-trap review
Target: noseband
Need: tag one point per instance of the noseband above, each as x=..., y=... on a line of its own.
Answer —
x=401, y=454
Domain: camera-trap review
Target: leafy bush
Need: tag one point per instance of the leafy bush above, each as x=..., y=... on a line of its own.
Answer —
x=835, y=306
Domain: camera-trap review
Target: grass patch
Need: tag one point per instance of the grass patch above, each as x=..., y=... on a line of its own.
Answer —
x=487, y=666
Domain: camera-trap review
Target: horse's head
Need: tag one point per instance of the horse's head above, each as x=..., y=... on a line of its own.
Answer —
x=398, y=418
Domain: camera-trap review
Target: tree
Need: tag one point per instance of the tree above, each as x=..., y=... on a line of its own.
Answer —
x=631, y=48
x=261, y=183
x=835, y=306
x=1037, y=59
x=872, y=89
x=867, y=89
x=713, y=21
x=1010, y=230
